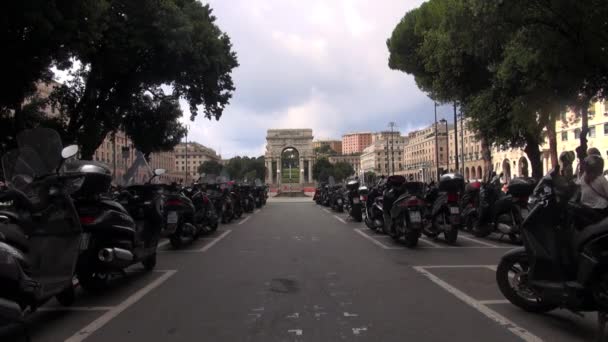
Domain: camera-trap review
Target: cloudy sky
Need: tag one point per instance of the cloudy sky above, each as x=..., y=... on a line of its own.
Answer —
x=319, y=64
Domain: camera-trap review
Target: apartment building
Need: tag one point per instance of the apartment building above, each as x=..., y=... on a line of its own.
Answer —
x=188, y=160
x=334, y=145
x=385, y=155
x=425, y=152
x=355, y=142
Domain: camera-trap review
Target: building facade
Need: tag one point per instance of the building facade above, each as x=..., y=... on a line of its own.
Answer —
x=385, y=155
x=470, y=159
x=334, y=145
x=355, y=142
x=425, y=152
x=188, y=157
x=353, y=160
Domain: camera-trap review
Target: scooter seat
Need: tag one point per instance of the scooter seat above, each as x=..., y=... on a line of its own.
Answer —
x=12, y=234
x=589, y=233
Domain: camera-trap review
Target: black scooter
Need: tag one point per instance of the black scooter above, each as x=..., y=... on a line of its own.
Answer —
x=373, y=214
x=179, y=217
x=40, y=234
x=406, y=211
x=352, y=201
x=115, y=239
x=563, y=262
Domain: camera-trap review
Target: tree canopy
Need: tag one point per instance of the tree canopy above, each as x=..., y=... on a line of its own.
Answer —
x=323, y=169
x=210, y=167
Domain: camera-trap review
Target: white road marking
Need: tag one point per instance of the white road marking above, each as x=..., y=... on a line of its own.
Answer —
x=347, y=314
x=204, y=249
x=244, y=220
x=257, y=211
x=357, y=331
x=492, y=267
x=493, y=315
x=345, y=303
x=494, y=301
x=340, y=219
x=326, y=210
x=374, y=241
x=261, y=308
x=163, y=243
x=319, y=314
x=430, y=243
x=298, y=332
x=97, y=324
x=454, y=266
x=478, y=241
x=257, y=315
x=293, y=315
x=76, y=308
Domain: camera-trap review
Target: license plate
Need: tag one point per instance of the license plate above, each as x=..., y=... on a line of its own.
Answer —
x=84, y=241
x=415, y=217
x=172, y=217
x=454, y=210
x=355, y=200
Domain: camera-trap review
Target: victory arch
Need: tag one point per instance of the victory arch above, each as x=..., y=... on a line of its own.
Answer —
x=289, y=156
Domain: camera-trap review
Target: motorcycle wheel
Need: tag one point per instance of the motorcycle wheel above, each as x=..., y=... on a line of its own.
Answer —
x=149, y=263
x=369, y=223
x=67, y=296
x=469, y=222
x=451, y=235
x=92, y=282
x=514, y=268
x=176, y=241
x=411, y=239
x=357, y=214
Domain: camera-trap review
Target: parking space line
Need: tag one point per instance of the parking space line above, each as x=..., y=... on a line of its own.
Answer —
x=492, y=267
x=340, y=219
x=478, y=241
x=76, y=308
x=162, y=243
x=257, y=211
x=434, y=245
x=494, y=301
x=204, y=249
x=477, y=305
x=374, y=241
x=97, y=324
x=244, y=220
x=453, y=266
x=326, y=210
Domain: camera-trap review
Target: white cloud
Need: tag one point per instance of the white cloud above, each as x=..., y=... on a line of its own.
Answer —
x=311, y=64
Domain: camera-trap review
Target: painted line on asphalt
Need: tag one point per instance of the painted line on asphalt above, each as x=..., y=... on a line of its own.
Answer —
x=478, y=241
x=326, y=210
x=339, y=219
x=163, y=243
x=257, y=211
x=374, y=241
x=453, y=266
x=435, y=245
x=492, y=267
x=76, y=308
x=494, y=302
x=244, y=220
x=477, y=305
x=97, y=324
x=212, y=243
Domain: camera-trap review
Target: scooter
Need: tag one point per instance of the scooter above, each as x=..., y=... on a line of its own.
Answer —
x=179, y=217
x=406, y=212
x=116, y=240
x=352, y=201
x=40, y=234
x=374, y=206
x=444, y=205
x=563, y=261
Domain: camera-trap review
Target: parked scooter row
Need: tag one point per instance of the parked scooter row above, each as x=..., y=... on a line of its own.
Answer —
x=60, y=224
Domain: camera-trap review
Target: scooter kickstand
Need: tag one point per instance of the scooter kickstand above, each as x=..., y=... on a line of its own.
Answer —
x=602, y=318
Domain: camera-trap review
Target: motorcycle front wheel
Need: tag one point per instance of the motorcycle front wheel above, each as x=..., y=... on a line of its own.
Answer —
x=512, y=279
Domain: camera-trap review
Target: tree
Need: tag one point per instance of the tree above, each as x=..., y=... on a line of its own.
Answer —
x=210, y=167
x=325, y=150
x=342, y=170
x=141, y=46
x=322, y=169
x=36, y=34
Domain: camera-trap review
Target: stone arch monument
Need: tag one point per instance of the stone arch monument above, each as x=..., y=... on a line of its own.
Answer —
x=289, y=143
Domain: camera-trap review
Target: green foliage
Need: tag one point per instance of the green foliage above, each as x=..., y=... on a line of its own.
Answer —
x=324, y=150
x=323, y=169
x=512, y=65
x=241, y=168
x=210, y=167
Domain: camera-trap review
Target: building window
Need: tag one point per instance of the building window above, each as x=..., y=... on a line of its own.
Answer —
x=592, y=132
x=577, y=133
x=565, y=135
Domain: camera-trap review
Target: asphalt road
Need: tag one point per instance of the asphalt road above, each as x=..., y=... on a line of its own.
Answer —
x=295, y=271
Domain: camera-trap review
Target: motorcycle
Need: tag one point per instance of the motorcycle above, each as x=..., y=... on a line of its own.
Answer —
x=469, y=205
x=40, y=234
x=318, y=197
x=374, y=204
x=205, y=217
x=219, y=196
x=406, y=210
x=563, y=260
x=444, y=208
x=236, y=198
x=259, y=193
x=352, y=201
x=247, y=199
x=179, y=217
x=503, y=213
x=115, y=239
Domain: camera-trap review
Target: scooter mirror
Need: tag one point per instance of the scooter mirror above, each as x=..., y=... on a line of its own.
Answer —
x=159, y=172
x=69, y=151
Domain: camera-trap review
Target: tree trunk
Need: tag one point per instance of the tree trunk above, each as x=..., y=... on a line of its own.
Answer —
x=532, y=150
x=486, y=155
x=552, y=135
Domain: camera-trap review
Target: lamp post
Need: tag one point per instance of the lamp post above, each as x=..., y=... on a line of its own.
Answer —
x=456, y=169
x=392, y=163
x=436, y=144
x=187, y=166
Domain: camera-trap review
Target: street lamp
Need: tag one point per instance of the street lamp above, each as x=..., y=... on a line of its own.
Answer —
x=436, y=144
x=444, y=122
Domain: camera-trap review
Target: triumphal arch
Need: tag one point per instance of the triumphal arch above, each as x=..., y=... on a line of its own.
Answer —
x=289, y=156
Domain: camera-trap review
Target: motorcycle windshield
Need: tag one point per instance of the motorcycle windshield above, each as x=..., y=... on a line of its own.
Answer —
x=139, y=172
x=21, y=167
x=46, y=143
